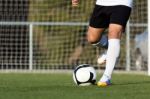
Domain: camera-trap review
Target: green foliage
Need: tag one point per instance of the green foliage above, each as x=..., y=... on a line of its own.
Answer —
x=59, y=10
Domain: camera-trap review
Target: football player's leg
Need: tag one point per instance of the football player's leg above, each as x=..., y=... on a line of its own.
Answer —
x=95, y=37
x=113, y=51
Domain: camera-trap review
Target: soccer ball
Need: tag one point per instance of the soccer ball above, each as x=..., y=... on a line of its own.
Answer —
x=84, y=75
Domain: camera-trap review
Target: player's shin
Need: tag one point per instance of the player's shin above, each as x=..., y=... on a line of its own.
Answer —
x=112, y=56
x=103, y=42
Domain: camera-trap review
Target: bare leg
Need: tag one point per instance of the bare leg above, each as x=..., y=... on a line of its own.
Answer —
x=113, y=51
x=94, y=34
x=95, y=37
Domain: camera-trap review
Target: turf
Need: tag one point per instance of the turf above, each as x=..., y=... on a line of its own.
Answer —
x=61, y=86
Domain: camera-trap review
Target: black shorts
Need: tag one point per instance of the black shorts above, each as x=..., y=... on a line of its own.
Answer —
x=102, y=16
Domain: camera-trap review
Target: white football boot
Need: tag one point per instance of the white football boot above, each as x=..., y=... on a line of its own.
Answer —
x=102, y=58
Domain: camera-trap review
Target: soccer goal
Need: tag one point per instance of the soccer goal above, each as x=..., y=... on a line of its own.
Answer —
x=148, y=37
x=50, y=35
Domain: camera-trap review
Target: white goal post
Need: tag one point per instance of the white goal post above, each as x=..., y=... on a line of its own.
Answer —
x=148, y=37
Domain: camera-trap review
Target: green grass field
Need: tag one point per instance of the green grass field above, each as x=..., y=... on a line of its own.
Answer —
x=61, y=86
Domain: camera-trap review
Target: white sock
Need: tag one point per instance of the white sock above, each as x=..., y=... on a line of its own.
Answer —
x=112, y=55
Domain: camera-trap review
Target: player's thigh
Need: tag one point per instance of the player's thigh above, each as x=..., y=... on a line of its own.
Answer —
x=94, y=34
x=118, y=20
x=115, y=31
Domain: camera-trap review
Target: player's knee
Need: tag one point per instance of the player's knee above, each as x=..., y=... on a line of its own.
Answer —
x=99, y=42
x=114, y=34
x=115, y=31
x=92, y=38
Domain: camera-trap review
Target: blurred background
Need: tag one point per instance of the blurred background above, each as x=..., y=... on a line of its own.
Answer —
x=50, y=35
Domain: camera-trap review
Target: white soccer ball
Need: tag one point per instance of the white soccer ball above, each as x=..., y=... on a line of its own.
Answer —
x=84, y=75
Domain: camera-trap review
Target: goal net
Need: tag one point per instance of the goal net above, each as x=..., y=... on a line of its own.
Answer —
x=138, y=37
x=51, y=34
